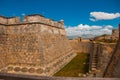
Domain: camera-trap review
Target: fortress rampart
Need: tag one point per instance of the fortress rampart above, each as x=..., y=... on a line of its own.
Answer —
x=99, y=57
x=105, y=59
x=113, y=67
x=30, y=19
x=35, y=46
x=81, y=47
x=115, y=34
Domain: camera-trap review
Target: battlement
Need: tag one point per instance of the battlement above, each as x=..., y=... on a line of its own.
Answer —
x=13, y=20
x=3, y=20
x=35, y=18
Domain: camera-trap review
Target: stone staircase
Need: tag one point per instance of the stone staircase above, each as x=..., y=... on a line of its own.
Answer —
x=94, y=59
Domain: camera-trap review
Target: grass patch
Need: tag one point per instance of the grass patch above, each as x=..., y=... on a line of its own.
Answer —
x=77, y=65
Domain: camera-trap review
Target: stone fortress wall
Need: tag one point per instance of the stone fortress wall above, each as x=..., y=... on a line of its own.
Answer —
x=115, y=34
x=100, y=54
x=113, y=67
x=105, y=58
x=36, y=46
x=39, y=46
x=81, y=46
x=113, y=37
x=99, y=57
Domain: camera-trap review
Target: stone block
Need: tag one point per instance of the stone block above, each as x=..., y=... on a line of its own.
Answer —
x=34, y=18
x=13, y=20
x=3, y=20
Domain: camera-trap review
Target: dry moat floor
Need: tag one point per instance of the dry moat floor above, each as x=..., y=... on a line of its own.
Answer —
x=76, y=67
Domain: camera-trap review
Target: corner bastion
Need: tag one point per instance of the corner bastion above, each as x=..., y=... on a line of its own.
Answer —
x=35, y=46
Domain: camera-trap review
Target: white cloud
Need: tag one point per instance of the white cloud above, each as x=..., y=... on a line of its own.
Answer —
x=23, y=14
x=109, y=27
x=87, y=30
x=103, y=16
x=91, y=19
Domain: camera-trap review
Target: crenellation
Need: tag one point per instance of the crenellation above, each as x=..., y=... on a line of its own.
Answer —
x=3, y=20
x=115, y=34
x=48, y=21
x=62, y=23
x=51, y=22
x=13, y=20
x=41, y=19
x=31, y=19
x=55, y=23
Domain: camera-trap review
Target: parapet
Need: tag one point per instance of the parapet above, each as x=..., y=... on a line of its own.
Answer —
x=42, y=19
x=9, y=20
x=3, y=20
x=35, y=18
x=13, y=20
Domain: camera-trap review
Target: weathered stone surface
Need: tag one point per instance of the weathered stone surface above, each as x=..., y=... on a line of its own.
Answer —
x=36, y=46
x=13, y=20
x=115, y=34
x=105, y=59
x=113, y=68
x=81, y=46
x=3, y=20
x=100, y=56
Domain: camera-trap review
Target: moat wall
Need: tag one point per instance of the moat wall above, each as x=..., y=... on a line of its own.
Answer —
x=36, y=46
x=81, y=47
x=113, y=67
x=100, y=56
x=105, y=59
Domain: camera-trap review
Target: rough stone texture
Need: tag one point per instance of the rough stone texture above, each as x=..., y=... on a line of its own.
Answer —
x=80, y=46
x=100, y=56
x=113, y=68
x=3, y=49
x=37, y=46
x=104, y=55
x=3, y=20
x=115, y=34
x=13, y=20
x=105, y=59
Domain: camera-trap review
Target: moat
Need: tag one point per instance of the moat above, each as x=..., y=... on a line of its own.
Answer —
x=77, y=67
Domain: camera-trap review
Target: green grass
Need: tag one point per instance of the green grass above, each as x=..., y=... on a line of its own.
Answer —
x=75, y=66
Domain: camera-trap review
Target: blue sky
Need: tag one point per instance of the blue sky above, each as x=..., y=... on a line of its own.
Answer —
x=76, y=13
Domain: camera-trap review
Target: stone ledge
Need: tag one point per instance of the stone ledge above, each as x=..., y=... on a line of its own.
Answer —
x=29, y=23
